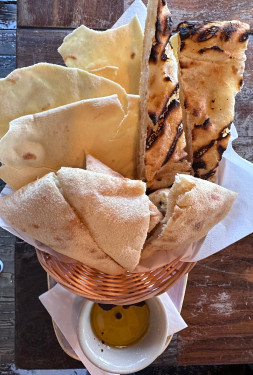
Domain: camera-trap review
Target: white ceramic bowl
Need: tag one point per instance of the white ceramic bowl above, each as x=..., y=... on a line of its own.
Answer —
x=132, y=358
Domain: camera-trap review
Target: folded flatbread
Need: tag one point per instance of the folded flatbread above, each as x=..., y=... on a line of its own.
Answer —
x=211, y=59
x=162, y=140
x=192, y=207
x=93, y=164
x=40, y=210
x=45, y=86
x=37, y=144
x=97, y=219
x=114, y=53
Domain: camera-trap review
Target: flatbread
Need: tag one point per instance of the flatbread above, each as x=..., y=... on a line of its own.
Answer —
x=155, y=217
x=115, y=210
x=121, y=153
x=162, y=140
x=40, y=210
x=46, y=141
x=45, y=86
x=114, y=53
x=93, y=164
x=193, y=206
x=212, y=59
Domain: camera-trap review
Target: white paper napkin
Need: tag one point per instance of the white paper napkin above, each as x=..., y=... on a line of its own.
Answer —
x=64, y=308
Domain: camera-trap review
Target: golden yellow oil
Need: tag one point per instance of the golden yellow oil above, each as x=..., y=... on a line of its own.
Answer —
x=120, y=326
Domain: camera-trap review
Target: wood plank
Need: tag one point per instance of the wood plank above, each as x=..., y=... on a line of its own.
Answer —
x=46, y=41
x=8, y=42
x=218, y=309
x=201, y=10
x=243, y=110
x=34, y=334
x=7, y=65
x=69, y=14
x=8, y=15
x=7, y=243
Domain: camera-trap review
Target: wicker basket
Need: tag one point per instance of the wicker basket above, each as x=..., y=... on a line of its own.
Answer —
x=119, y=290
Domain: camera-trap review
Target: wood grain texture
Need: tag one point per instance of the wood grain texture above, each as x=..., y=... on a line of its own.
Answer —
x=8, y=42
x=199, y=10
x=7, y=65
x=244, y=110
x=46, y=41
x=7, y=315
x=8, y=15
x=98, y=14
x=34, y=335
x=218, y=308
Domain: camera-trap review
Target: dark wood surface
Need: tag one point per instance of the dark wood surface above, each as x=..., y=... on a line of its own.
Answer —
x=99, y=14
x=218, y=302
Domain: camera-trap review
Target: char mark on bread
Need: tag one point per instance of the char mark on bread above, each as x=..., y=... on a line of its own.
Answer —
x=154, y=134
x=211, y=63
x=162, y=141
x=179, y=133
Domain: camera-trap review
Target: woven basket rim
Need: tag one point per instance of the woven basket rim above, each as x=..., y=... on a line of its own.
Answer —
x=120, y=289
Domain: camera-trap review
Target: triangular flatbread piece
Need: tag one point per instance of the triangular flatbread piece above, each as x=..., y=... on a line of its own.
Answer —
x=192, y=207
x=40, y=210
x=93, y=164
x=115, y=210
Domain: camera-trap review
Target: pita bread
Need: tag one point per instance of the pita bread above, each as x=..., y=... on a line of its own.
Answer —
x=45, y=86
x=162, y=140
x=211, y=59
x=114, y=53
x=40, y=210
x=155, y=216
x=92, y=164
x=36, y=144
x=115, y=210
x=193, y=206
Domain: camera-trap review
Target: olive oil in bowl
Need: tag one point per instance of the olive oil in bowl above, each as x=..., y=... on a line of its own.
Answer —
x=120, y=326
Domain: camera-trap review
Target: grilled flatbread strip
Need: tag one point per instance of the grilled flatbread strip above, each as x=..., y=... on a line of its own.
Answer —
x=212, y=59
x=162, y=139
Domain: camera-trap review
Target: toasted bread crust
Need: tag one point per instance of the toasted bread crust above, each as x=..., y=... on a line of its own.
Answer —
x=211, y=59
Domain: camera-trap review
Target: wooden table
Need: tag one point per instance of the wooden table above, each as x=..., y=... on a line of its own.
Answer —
x=218, y=306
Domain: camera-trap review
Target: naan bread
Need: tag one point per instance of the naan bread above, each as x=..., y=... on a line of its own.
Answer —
x=162, y=140
x=40, y=210
x=211, y=59
x=46, y=141
x=192, y=207
x=44, y=86
x=114, y=53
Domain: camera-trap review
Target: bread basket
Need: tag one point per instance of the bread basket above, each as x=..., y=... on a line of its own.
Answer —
x=119, y=290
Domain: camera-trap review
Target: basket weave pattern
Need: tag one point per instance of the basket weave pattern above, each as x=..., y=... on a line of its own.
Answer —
x=119, y=290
